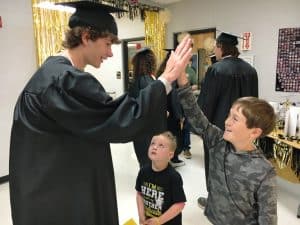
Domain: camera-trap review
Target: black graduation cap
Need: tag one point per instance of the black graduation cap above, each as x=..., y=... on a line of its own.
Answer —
x=228, y=38
x=93, y=14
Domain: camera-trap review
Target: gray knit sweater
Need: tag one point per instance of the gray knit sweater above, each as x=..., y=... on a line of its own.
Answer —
x=242, y=185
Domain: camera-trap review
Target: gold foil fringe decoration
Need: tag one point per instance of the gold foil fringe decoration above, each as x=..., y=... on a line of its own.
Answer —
x=49, y=27
x=133, y=7
x=155, y=33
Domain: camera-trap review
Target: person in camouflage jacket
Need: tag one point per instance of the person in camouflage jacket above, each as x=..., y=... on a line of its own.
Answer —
x=241, y=182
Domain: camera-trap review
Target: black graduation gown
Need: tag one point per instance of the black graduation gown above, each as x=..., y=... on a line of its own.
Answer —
x=60, y=169
x=139, y=83
x=224, y=82
x=141, y=144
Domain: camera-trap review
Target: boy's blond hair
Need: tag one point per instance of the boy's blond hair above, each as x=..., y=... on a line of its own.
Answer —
x=171, y=138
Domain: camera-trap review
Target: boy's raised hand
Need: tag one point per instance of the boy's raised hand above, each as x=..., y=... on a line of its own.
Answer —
x=178, y=60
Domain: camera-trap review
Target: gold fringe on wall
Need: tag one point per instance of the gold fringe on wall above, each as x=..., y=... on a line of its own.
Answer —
x=155, y=33
x=49, y=27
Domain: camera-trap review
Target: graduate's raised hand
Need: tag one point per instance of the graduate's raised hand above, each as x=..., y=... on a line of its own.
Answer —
x=178, y=60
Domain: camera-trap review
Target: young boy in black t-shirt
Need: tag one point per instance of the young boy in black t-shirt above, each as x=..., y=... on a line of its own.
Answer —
x=160, y=194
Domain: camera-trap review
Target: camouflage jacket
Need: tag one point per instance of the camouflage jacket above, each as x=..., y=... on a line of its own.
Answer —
x=242, y=185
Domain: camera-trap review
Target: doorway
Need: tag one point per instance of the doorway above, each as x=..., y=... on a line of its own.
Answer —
x=129, y=48
x=203, y=47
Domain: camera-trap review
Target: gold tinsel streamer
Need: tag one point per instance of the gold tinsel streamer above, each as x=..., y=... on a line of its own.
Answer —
x=155, y=33
x=49, y=27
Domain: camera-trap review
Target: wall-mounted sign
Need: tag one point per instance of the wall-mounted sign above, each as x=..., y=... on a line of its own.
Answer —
x=247, y=41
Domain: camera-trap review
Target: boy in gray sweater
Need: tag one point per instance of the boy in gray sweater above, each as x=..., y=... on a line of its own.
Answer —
x=241, y=182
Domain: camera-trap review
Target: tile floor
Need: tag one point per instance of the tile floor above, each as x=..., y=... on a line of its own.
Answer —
x=126, y=169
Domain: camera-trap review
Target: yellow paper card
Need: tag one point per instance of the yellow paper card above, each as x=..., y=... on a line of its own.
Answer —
x=130, y=222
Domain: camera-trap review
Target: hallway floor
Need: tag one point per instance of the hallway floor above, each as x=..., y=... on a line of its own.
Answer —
x=126, y=169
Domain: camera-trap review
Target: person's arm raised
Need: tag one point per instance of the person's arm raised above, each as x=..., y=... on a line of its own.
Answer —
x=177, y=61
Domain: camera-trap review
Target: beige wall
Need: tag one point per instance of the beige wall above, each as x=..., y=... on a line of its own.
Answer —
x=262, y=18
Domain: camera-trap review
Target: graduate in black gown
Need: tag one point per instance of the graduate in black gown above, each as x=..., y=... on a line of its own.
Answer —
x=144, y=71
x=60, y=167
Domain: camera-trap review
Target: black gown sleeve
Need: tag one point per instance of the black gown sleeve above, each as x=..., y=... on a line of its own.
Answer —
x=79, y=104
x=139, y=83
x=209, y=92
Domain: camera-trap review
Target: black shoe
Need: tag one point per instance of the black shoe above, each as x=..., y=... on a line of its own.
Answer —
x=202, y=202
x=176, y=162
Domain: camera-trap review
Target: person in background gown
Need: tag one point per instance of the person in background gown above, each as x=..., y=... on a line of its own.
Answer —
x=144, y=71
x=60, y=165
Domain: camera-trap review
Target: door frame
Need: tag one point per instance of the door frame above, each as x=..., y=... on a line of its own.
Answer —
x=125, y=58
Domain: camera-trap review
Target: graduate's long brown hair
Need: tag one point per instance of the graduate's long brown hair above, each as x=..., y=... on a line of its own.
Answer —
x=144, y=63
x=163, y=64
x=228, y=49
